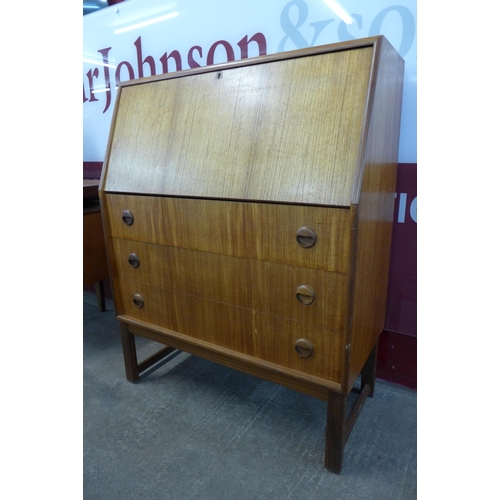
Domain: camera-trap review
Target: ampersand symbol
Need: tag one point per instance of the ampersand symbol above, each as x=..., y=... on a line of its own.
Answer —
x=290, y=29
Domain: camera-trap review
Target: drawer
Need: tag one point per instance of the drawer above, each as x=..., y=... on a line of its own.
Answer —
x=251, y=230
x=262, y=286
x=263, y=336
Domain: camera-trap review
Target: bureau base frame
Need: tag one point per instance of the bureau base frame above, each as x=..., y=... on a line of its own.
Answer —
x=133, y=368
x=338, y=424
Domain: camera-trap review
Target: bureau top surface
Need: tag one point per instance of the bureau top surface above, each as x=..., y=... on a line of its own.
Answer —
x=288, y=130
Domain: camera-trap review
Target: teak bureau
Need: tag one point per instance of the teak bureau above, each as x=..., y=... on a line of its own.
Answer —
x=248, y=214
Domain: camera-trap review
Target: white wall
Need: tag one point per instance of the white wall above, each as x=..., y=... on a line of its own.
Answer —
x=200, y=33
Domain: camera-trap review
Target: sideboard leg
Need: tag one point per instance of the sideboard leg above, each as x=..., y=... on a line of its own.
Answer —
x=335, y=431
x=368, y=371
x=101, y=299
x=129, y=353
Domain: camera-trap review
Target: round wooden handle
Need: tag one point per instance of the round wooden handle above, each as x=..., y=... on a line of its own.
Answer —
x=305, y=295
x=138, y=301
x=128, y=217
x=306, y=237
x=304, y=348
x=133, y=260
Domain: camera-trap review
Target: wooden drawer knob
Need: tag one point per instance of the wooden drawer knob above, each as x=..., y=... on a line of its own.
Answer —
x=304, y=348
x=138, y=301
x=128, y=217
x=306, y=237
x=133, y=260
x=305, y=295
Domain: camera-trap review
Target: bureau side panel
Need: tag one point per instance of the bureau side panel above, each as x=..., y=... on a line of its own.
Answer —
x=251, y=230
x=376, y=205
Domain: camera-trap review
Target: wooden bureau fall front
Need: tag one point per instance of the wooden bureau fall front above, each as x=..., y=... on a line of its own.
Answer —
x=248, y=214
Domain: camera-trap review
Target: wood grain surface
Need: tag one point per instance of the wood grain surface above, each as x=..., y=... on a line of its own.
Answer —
x=251, y=230
x=375, y=209
x=220, y=167
x=95, y=265
x=263, y=336
x=262, y=286
x=287, y=131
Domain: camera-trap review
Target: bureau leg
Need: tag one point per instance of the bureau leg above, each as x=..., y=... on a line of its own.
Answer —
x=132, y=367
x=339, y=426
x=368, y=371
x=335, y=431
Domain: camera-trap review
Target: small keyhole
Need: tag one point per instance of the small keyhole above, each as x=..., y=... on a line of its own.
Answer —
x=219, y=76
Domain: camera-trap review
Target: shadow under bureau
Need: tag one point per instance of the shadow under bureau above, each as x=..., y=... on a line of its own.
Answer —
x=248, y=214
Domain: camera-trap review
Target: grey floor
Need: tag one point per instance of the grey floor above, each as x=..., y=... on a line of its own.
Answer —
x=193, y=430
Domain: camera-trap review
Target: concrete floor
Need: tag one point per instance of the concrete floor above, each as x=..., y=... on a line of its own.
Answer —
x=193, y=430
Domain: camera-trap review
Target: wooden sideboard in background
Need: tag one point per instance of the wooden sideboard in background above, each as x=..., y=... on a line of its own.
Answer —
x=95, y=266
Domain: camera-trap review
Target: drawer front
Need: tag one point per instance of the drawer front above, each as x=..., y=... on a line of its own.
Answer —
x=263, y=336
x=302, y=294
x=251, y=230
